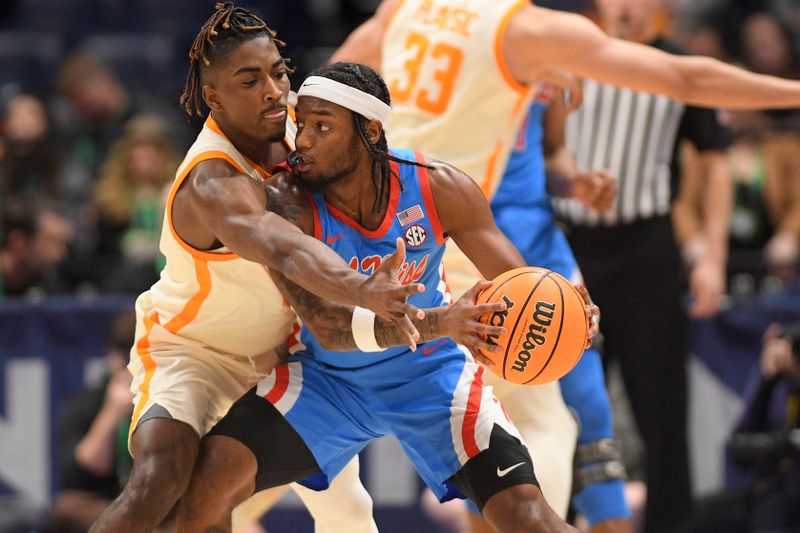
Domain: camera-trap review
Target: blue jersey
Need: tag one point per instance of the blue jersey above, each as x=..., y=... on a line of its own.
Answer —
x=522, y=210
x=521, y=206
x=411, y=215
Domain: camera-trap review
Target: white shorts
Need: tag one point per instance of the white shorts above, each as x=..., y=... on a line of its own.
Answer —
x=195, y=384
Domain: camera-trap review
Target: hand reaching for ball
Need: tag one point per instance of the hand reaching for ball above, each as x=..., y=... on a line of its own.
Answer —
x=548, y=322
x=462, y=322
x=592, y=313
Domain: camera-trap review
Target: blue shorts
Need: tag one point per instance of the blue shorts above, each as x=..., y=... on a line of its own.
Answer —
x=432, y=400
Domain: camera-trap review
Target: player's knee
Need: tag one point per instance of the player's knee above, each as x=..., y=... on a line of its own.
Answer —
x=223, y=477
x=157, y=476
x=225, y=467
x=596, y=462
x=164, y=453
x=344, y=506
x=521, y=508
x=224, y=462
x=357, y=507
x=506, y=463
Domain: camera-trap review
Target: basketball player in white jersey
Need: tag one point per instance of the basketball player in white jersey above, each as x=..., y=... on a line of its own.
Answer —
x=207, y=330
x=461, y=76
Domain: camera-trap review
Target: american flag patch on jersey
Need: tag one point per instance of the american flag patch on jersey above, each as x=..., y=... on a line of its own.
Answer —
x=412, y=214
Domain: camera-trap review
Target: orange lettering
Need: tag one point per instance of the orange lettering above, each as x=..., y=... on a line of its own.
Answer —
x=434, y=93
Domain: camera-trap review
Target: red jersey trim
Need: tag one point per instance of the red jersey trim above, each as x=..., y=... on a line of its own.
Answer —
x=317, y=221
x=388, y=219
x=427, y=198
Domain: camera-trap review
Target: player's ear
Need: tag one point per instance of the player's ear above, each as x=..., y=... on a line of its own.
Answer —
x=374, y=130
x=211, y=97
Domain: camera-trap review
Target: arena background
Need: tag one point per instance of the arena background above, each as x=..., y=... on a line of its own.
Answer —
x=52, y=345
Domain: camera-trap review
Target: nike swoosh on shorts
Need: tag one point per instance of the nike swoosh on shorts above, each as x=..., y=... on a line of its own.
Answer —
x=503, y=472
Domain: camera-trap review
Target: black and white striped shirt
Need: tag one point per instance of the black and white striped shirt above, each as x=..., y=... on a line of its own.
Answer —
x=634, y=135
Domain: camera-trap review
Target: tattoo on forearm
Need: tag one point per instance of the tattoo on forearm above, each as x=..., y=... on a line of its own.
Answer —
x=331, y=323
x=387, y=334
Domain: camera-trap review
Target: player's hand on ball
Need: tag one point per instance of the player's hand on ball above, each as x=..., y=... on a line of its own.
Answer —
x=462, y=323
x=383, y=293
x=592, y=313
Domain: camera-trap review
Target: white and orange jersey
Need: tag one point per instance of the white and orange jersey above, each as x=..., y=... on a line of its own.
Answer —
x=453, y=97
x=216, y=299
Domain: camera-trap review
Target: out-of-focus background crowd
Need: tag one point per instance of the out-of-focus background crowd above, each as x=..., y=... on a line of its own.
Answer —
x=91, y=135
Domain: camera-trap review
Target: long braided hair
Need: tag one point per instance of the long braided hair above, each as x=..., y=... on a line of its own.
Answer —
x=227, y=28
x=367, y=80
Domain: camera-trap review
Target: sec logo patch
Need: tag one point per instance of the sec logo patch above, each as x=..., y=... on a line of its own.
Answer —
x=416, y=235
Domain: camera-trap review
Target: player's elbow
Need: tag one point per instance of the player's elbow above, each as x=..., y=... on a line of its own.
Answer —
x=278, y=245
x=691, y=73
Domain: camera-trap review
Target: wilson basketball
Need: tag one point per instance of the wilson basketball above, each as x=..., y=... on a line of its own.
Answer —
x=545, y=323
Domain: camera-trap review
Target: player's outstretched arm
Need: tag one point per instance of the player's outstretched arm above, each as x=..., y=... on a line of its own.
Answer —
x=539, y=39
x=331, y=323
x=232, y=208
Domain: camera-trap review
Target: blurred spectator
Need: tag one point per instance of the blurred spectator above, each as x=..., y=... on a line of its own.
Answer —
x=767, y=47
x=35, y=243
x=705, y=39
x=28, y=161
x=765, y=223
x=90, y=118
x=130, y=202
x=97, y=108
x=92, y=437
x=788, y=11
x=764, y=450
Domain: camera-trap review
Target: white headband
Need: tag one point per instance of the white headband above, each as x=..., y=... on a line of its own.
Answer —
x=347, y=97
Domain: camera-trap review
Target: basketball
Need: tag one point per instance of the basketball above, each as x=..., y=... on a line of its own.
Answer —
x=545, y=323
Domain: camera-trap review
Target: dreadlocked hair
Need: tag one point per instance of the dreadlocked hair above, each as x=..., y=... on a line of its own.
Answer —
x=365, y=79
x=227, y=28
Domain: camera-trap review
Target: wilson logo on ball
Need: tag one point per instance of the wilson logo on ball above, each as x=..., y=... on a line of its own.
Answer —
x=542, y=318
x=545, y=325
x=498, y=318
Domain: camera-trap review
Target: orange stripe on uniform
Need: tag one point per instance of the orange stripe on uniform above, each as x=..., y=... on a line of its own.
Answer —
x=428, y=200
x=492, y=177
x=192, y=307
x=471, y=416
x=499, y=53
x=143, y=351
x=203, y=156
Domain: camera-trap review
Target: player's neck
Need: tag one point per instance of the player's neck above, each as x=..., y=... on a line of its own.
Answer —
x=354, y=195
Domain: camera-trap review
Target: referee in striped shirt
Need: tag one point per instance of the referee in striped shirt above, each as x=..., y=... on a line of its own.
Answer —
x=629, y=257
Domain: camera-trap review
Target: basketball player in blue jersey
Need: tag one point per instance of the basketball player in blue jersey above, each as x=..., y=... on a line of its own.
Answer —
x=316, y=411
x=598, y=477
